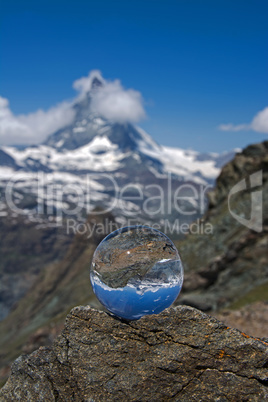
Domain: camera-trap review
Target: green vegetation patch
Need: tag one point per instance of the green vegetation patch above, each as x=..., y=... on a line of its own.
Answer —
x=260, y=293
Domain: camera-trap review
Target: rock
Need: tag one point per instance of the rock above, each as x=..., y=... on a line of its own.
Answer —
x=198, y=301
x=252, y=318
x=193, y=281
x=181, y=354
x=229, y=264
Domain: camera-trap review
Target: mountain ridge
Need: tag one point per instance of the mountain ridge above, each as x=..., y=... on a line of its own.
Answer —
x=93, y=144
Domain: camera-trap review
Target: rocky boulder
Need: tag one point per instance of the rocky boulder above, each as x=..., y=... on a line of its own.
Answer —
x=181, y=354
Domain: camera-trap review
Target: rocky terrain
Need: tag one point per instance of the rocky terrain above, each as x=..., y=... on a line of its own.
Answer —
x=225, y=269
x=179, y=355
x=58, y=287
x=229, y=267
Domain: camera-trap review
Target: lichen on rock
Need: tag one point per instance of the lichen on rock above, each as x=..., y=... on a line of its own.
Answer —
x=181, y=354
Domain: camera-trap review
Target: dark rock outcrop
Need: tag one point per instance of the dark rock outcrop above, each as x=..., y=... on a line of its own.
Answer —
x=230, y=262
x=180, y=355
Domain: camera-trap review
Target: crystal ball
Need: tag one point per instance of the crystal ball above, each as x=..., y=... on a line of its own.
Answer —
x=136, y=271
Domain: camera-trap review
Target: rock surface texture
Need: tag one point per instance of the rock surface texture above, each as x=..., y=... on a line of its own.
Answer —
x=181, y=354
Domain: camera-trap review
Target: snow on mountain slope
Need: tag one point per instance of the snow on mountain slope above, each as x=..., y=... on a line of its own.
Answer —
x=101, y=155
x=176, y=158
x=148, y=163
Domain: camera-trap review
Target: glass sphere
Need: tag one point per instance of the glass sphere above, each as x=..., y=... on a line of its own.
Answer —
x=136, y=271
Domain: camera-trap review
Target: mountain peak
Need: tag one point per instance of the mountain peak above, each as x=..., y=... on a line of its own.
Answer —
x=96, y=83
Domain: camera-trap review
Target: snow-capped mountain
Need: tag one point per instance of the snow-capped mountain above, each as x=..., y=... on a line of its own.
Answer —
x=90, y=161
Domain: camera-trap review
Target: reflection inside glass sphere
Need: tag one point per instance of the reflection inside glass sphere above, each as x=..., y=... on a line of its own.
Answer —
x=136, y=271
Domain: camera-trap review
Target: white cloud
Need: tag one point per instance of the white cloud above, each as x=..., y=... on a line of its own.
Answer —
x=115, y=103
x=110, y=100
x=260, y=121
x=258, y=124
x=33, y=127
x=233, y=127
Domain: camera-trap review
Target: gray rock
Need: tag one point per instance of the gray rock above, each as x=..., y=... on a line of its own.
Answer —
x=181, y=354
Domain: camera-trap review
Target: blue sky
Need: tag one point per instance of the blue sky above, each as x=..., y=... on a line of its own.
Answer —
x=197, y=64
